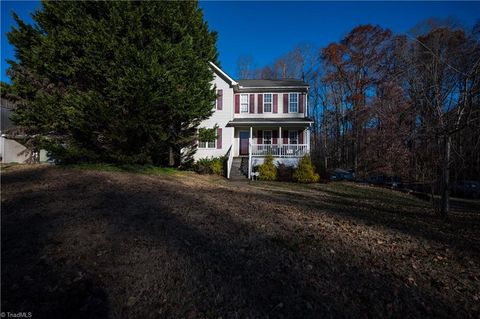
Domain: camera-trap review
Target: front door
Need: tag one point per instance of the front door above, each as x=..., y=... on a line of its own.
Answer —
x=244, y=137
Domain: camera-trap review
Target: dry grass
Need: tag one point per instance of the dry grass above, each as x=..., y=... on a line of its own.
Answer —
x=82, y=243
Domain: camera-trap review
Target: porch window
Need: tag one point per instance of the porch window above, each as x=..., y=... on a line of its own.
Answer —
x=244, y=103
x=267, y=137
x=267, y=102
x=293, y=137
x=293, y=103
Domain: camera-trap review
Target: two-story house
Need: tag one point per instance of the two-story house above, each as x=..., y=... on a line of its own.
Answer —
x=256, y=118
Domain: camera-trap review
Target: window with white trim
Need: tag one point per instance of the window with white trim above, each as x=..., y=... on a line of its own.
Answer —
x=219, y=96
x=207, y=144
x=293, y=137
x=244, y=103
x=212, y=144
x=267, y=137
x=267, y=102
x=293, y=103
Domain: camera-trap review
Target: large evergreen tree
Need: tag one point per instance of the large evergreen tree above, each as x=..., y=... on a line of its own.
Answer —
x=122, y=82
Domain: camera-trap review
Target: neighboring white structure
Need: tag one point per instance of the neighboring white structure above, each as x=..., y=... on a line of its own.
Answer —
x=256, y=118
x=10, y=150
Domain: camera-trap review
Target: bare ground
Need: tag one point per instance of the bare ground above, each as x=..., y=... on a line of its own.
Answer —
x=88, y=244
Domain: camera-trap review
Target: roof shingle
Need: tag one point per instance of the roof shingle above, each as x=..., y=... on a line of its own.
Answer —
x=271, y=83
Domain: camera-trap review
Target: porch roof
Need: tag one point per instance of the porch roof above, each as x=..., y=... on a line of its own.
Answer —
x=254, y=122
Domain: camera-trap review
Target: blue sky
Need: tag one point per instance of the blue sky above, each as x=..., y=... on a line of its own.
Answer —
x=267, y=30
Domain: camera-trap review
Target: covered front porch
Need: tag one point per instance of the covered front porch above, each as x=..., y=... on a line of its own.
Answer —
x=286, y=141
x=265, y=141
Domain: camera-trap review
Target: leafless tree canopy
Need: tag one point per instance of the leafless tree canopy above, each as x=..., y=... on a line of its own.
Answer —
x=401, y=105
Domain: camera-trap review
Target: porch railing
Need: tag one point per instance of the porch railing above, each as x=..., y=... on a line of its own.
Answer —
x=279, y=150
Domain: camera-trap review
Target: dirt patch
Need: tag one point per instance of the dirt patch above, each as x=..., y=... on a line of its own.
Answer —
x=78, y=243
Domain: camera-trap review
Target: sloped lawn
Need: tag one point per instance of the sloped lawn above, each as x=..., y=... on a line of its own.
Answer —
x=80, y=243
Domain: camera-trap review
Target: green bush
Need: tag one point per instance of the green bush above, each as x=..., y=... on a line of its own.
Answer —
x=305, y=172
x=268, y=170
x=202, y=166
x=217, y=167
x=210, y=165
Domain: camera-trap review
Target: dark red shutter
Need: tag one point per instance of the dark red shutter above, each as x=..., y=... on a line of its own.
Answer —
x=285, y=103
x=274, y=137
x=252, y=103
x=285, y=137
x=275, y=103
x=260, y=103
x=259, y=137
x=219, y=138
x=300, y=103
x=219, y=99
x=300, y=137
x=237, y=103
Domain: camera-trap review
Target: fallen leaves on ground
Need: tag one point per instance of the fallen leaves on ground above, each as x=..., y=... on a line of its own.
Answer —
x=109, y=244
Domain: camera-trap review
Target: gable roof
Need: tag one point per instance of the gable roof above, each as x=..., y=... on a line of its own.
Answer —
x=222, y=74
x=259, y=84
x=271, y=83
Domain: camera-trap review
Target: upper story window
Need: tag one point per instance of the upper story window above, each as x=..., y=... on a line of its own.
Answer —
x=293, y=103
x=293, y=137
x=267, y=137
x=219, y=101
x=267, y=102
x=244, y=103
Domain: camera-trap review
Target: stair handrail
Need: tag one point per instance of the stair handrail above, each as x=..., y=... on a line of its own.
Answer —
x=249, y=159
x=229, y=155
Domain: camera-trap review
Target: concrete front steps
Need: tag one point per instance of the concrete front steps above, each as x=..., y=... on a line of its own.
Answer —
x=239, y=171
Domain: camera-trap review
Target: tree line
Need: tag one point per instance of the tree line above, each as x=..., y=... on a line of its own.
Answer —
x=404, y=105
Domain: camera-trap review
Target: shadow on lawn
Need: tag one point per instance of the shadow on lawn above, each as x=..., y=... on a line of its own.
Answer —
x=30, y=283
x=235, y=269
x=183, y=252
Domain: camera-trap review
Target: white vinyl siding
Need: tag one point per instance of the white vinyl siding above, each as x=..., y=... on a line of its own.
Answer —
x=220, y=119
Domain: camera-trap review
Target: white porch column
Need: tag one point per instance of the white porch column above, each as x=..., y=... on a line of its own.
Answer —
x=280, y=141
x=308, y=140
x=250, y=153
x=306, y=104
x=250, y=140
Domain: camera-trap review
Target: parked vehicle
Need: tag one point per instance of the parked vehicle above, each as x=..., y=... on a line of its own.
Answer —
x=340, y=174
x=385, y=180
x=376, y=179
x=393, y=182
x=466, y=189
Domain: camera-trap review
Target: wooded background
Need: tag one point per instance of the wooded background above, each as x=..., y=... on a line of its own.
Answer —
x=402, y=105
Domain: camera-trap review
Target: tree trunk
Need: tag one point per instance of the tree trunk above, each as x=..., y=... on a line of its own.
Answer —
x=171, y=157
x=445, y=201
